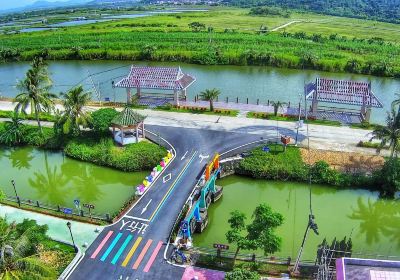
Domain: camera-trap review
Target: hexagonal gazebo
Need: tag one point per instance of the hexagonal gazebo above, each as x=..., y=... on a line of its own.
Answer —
x=130, y=125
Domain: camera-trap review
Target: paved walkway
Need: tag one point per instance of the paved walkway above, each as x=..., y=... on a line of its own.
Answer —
x=83, y=233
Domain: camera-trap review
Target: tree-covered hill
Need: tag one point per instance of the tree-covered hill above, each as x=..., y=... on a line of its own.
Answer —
x=383, y=10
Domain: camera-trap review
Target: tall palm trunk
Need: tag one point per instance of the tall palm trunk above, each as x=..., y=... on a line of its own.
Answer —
x=38, y=118
x=211, y=105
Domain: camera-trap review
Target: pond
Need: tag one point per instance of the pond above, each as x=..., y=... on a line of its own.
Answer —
x=253, y=82
x=53, y=179
x=373, y=224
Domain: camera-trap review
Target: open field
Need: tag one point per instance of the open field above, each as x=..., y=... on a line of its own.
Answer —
x=234, y=41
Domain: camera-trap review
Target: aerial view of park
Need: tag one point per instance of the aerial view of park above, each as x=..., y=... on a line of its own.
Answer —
x=199, y=140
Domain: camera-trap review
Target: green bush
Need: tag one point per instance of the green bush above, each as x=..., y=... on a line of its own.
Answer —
x=101, y=119
x=321, y=173
x=134, y=157
x=242, y=274
x=274, y=165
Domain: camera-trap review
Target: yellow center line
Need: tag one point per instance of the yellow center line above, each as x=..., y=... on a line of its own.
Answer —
x=172, y=185
x=132, y=251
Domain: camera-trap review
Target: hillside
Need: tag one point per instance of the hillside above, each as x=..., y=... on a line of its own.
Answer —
x=383, y=10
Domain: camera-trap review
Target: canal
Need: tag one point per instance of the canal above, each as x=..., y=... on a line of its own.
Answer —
x=253, y=82
x=53, y=179
x=372, y=223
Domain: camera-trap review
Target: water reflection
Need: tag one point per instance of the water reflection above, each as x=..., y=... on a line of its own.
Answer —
x=87, y=185
x=378, y=219
x=20, y=158
x=50, y=184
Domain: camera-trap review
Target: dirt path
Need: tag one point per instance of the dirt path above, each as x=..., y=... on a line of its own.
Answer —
x=285, y=25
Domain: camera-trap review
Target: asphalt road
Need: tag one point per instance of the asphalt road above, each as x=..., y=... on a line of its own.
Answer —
x=133, y=248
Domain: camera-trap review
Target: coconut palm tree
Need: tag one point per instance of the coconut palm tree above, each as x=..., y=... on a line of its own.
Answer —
x=277, y=105
x=75, y=114
x=17, y=260
x=210, y=95
x=35, y=90
x=13, y=132
x=389, y=134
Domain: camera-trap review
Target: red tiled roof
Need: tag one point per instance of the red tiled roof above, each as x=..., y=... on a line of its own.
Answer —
x=164, y=78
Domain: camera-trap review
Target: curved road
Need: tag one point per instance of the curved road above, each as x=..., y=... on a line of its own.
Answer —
x=133, y=248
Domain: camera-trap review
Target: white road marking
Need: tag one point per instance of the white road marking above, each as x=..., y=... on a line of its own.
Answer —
x=203, y=157
x=167, y=177
x=136, y=218
x=182, y=158
x=145, y=208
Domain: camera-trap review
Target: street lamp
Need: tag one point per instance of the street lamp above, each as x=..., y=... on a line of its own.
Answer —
x=16, y=195
x=72, y=237
x=298, y=122
x=311, y=224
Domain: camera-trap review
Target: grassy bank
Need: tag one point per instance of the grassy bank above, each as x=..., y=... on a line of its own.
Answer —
x=168, y=38
x=287, y=118
x=289, y=165
x=95, y=148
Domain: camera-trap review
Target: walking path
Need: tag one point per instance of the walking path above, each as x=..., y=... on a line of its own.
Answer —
x=58, y=230
x=285, y=25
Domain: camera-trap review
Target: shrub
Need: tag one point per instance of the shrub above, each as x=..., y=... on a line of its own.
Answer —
x=321, y=173
x=242, y=274
x=134, y=157
x=101, y=119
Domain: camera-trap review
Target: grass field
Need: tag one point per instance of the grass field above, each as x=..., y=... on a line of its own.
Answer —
x=235, y=40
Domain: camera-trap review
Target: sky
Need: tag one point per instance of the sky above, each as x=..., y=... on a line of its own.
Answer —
x=10, y=4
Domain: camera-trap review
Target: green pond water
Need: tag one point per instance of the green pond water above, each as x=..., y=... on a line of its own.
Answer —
x=54, y=179
x=252, y=82
x=372, y=223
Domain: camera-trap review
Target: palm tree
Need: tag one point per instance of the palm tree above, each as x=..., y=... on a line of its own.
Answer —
x=277, y=105
x=17, y=261
x=210, y=95
x=389, y=134
x=35, y=90
x=75, y=114
x=13, y=132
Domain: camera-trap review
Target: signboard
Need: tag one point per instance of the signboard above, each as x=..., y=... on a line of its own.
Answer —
x=67, y=211
x=184, y=226
x=221, y=246
x=90, y=206
x=77, y=203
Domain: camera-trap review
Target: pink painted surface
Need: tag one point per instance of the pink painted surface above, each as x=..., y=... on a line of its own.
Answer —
x=103, y=242
x=153, y=257
x=202, y=274
x=141, y=256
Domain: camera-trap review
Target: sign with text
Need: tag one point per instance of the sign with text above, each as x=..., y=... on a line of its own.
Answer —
x=221, y=246
x=90, y=206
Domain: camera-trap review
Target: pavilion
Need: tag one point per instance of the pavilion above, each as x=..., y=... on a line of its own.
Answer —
x=129, y=124
x=351, y=93
x=157, y=78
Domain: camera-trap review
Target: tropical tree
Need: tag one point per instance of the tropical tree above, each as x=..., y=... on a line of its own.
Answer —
x=75, y=114
x=390, y=133
x=35, y=90
x=210, y=95
x=260, y=234
x=18, y=245
x=277, y=105
x=13, y=132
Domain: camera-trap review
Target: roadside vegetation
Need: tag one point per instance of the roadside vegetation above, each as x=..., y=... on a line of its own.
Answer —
x=288, y=165
x=28, y=253
x=165, y=37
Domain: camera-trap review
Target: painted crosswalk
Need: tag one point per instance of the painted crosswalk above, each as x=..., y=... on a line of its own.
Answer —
x=116, y=247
